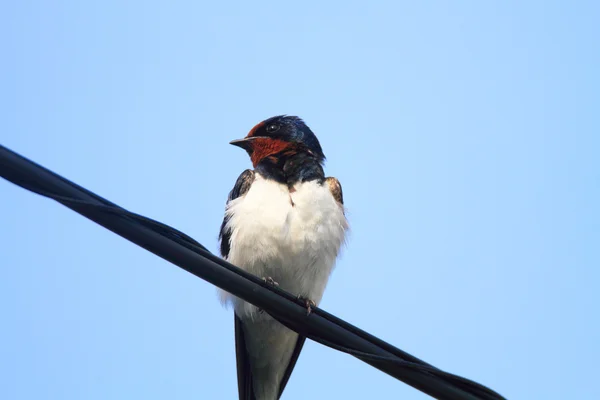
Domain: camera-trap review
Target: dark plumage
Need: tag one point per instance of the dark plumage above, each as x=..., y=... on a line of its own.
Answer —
x=284, y=148
x=242, y=185
x=290, y=129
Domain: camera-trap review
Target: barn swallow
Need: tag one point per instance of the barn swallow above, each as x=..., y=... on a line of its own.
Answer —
x=284, y=222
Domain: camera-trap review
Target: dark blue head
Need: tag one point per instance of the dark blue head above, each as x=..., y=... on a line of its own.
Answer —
x=278, y=135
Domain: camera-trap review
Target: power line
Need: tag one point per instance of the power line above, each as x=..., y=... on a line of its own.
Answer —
x=183, y=251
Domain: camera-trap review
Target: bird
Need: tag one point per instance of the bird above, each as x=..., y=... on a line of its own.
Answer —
x=285, y=222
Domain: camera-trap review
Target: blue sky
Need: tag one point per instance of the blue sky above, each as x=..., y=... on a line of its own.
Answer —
x=465, y=136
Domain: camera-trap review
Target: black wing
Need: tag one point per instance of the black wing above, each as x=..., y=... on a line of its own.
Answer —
x=244, y=371
x=241, y=187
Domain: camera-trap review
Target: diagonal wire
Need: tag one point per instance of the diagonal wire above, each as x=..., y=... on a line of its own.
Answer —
x=188, y=254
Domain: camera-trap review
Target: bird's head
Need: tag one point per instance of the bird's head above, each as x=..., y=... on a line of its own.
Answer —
x=277, y=136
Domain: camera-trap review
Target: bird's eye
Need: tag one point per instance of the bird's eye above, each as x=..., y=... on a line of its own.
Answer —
x=272, y=128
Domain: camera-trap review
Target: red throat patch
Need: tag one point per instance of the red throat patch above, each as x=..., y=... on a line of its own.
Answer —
x=262, y=148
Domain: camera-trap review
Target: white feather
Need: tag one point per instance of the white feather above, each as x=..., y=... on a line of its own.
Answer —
x=294, y=238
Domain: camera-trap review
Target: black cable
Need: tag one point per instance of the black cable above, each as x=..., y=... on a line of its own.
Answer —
x=190, y=255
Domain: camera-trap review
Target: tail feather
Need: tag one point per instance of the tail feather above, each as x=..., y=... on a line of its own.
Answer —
x=266, y=356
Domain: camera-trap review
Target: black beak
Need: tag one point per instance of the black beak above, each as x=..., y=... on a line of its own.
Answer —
x=245, y=143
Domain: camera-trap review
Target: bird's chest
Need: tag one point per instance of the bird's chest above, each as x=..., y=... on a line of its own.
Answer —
x=290, y=236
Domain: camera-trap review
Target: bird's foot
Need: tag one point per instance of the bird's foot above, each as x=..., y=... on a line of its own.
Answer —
x=308, y=303
x=270, y=281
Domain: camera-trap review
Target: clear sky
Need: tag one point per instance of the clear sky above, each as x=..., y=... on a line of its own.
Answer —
x=465, y=135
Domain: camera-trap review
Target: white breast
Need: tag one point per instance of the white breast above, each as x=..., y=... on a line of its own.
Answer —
x=293, y=238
